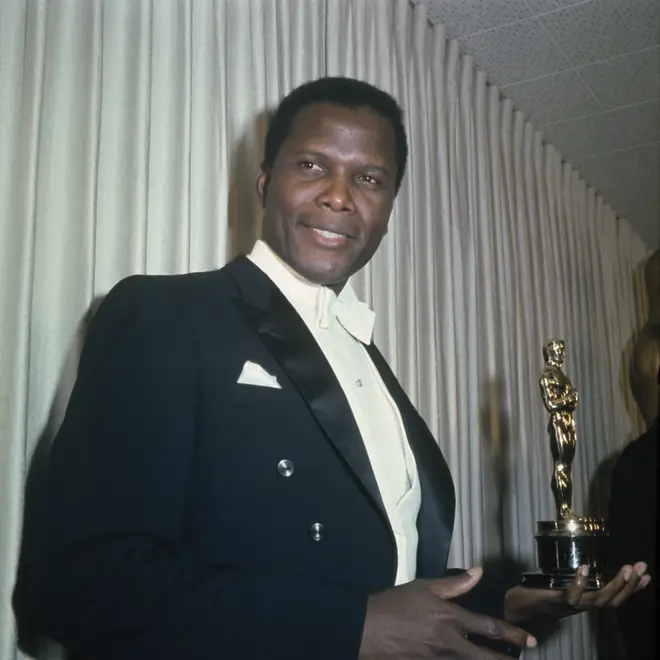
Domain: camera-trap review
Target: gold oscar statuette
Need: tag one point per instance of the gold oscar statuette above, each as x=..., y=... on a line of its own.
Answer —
x=564, y=544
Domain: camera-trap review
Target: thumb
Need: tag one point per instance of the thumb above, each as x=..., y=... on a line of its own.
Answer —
x=456, y=585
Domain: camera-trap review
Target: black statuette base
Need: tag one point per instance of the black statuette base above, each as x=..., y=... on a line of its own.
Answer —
x=558, y=581
x=562, y=547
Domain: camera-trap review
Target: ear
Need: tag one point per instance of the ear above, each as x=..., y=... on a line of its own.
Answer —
x=263, y=179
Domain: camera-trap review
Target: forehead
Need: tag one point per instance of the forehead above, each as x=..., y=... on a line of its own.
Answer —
x=326, y=125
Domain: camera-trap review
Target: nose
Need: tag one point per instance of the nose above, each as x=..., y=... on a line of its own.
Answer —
x=336, y=195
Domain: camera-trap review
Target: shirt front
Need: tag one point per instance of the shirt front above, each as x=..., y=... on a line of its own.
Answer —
x=342, y=326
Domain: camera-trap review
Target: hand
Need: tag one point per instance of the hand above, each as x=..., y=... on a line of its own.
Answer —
x=523, y=604
x=416, y=620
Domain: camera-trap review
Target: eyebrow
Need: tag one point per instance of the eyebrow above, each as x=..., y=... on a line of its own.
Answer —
x=321, y=156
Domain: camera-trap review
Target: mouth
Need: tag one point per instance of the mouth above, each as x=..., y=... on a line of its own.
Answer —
x=328, y=238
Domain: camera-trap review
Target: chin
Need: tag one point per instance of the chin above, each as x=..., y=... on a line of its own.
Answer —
x=333, y=276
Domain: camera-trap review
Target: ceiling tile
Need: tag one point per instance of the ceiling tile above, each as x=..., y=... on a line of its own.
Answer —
x=632, y=194
x=625, y=182
x=640, y=123
x=462, y=17
x=625, y=80
x=602, y=29
x=515, y=52
x=552, y=99
x=581, y=138
x=650, y=154
x=612, y=172
x=542, y=6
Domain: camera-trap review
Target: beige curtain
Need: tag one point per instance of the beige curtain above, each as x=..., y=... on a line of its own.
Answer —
x=130, y=134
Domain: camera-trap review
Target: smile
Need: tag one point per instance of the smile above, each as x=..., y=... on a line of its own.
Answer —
x=328, y=234
x=326, y=238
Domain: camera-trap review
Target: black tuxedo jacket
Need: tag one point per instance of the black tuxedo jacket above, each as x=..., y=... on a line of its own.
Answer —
x=168, y=531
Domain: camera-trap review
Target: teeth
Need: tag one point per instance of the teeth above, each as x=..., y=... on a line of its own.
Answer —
x=328, y=234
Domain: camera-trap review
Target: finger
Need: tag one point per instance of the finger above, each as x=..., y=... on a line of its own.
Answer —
x=612, y=589
x=452, y=587
x=485, y=626
x=640, y=568
x=576, y=589
x=644, y=582
x=628, y=590
x=634, y=577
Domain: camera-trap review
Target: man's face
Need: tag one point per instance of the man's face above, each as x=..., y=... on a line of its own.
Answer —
x=328, y=198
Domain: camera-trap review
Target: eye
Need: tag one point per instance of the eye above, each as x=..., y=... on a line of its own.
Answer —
x=310, y=165
x=369, y=180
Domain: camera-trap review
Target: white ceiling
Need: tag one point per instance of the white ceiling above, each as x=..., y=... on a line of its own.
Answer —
x=588, y=74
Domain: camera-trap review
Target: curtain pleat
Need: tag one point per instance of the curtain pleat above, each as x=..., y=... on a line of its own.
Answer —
x=131, y=133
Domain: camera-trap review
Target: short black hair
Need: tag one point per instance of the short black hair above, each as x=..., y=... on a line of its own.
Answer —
x=345, y=92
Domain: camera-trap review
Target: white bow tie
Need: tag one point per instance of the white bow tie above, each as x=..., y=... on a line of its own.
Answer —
x=354, y=316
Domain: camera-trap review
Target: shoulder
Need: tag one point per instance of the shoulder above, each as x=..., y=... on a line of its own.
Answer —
x=150, y=306
x=171, y=288
x=166, y=294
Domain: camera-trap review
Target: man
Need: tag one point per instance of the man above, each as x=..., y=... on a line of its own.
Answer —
x=239, y=474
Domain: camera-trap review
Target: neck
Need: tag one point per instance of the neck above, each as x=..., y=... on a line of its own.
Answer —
x=337, y=288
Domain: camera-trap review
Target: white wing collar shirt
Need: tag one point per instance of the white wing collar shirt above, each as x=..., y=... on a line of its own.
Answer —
x=342, y=326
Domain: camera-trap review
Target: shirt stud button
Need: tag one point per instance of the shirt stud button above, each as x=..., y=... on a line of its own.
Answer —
x=317, y=531
x=358, y=383
x=285, y=468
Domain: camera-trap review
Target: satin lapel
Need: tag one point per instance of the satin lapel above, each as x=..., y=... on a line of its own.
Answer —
x=436, y=515
x=290, y=342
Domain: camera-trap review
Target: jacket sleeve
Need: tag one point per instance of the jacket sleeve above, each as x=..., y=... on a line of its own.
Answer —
x=111, y=576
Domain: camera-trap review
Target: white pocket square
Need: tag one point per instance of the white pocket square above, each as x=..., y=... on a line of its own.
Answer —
x=253, y=374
